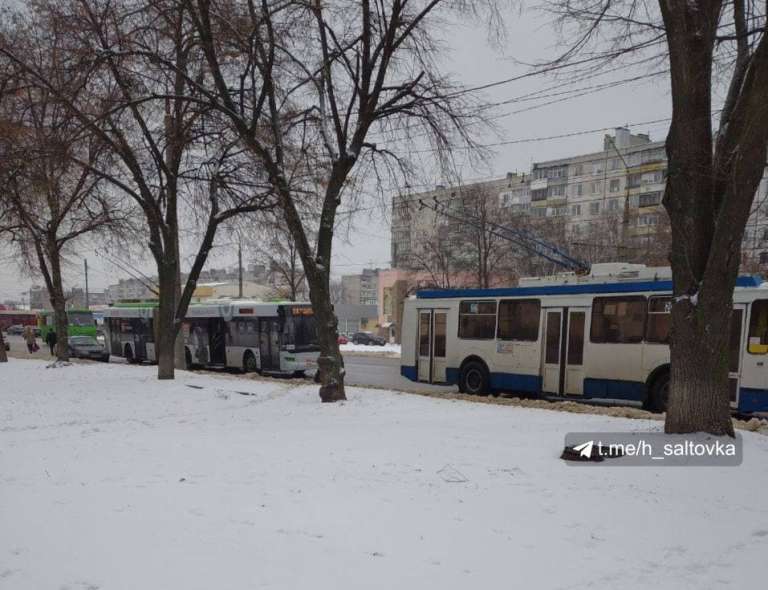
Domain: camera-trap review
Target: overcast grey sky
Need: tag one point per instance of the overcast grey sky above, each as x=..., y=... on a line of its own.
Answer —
x=472, y=62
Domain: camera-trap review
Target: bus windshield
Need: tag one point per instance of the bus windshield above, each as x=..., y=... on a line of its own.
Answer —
x=80, y=318
x=301, y=332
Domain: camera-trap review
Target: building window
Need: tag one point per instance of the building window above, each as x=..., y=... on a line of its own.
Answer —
x=618, y=319
x=615, y=164
x=477, y=320
x=519, y=320
x=758, y=328
x=613, y=205
x=763, y=258
x=634, y=180
x=539, y=211
x=575, y=210
x=648, y=219
x=579, y=189
x=597, y=167
x=557, y=190
x=539, y=194
x=594, y=208
x=659, y=320
x=578, y=170
x=597, y=187
x=615, y=185
x=650, y=199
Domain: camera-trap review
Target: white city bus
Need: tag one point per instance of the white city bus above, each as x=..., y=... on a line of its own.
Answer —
x=129, y=331
x=272, y=338
x=605, y=335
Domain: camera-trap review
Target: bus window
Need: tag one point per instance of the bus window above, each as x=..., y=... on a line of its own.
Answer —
x=758, y=328
x=618, y=319
x=519, y=319
x=300, y=331
x=659, y=320
x=477, y=320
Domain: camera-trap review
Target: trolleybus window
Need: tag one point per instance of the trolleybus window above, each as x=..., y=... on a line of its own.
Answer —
x=618, y=319
x=477, y=320
x=519, y=319
x=659, y=319
x=758, y=328
x=440, y=332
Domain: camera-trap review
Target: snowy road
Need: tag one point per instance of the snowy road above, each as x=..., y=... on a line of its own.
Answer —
x=110, y=479
x=379, y=371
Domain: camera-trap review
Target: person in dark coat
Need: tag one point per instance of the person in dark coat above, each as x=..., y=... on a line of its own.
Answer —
x=50, y=340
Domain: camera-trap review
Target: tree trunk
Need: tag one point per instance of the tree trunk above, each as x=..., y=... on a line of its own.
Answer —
x=59, y=302
x=699, y=392
x=330, y=362
x=166, y=320
x=3, y=355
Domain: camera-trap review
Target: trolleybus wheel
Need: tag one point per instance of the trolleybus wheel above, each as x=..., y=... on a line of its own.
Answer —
x=658, y=394
x=474, y=379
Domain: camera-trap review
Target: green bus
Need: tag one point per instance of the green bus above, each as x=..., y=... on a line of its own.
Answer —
x=80, y=322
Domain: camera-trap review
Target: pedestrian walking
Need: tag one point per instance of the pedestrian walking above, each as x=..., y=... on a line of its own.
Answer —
x=50, y=340
x=30, y=339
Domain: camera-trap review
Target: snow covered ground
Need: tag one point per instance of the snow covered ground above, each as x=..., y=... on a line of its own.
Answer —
x=388, y=349
x=110, y=479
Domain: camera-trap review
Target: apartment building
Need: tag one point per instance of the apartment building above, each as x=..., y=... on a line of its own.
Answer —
x=361, y=289
x=417, y=228
x=603, y=204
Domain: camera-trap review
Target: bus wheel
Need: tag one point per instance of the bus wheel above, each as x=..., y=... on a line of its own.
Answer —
x=658, y=394
x=249, y=363
x=474, y=379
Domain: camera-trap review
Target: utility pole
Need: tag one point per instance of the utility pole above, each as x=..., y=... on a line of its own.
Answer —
x=87, y=303
x=240, y=270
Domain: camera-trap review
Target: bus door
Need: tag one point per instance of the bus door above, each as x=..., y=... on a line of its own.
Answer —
x=140, y=333
x=432, y=345
x=553, y=349
x=217, y=334
x=735, y=356
x=574, y=351
x=269, y=343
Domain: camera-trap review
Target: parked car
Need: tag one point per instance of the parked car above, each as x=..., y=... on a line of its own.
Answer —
x=343, y=339
x=86, y=347
x=368, y=338
x=15, y=330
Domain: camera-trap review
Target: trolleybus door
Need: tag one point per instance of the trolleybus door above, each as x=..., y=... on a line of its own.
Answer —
x=574, y=351
x=735, y=348
x=432, y=345
x=424, y=345
x=553, y=345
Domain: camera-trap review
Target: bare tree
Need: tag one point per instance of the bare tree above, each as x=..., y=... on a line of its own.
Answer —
x=486, y=252
x=138, y=60
x=51, y=199
x=436, y=256
x=315, y=90
x=713, y=174
x=277, y=251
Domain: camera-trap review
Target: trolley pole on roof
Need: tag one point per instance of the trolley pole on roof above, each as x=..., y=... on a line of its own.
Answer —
x=87, y=303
